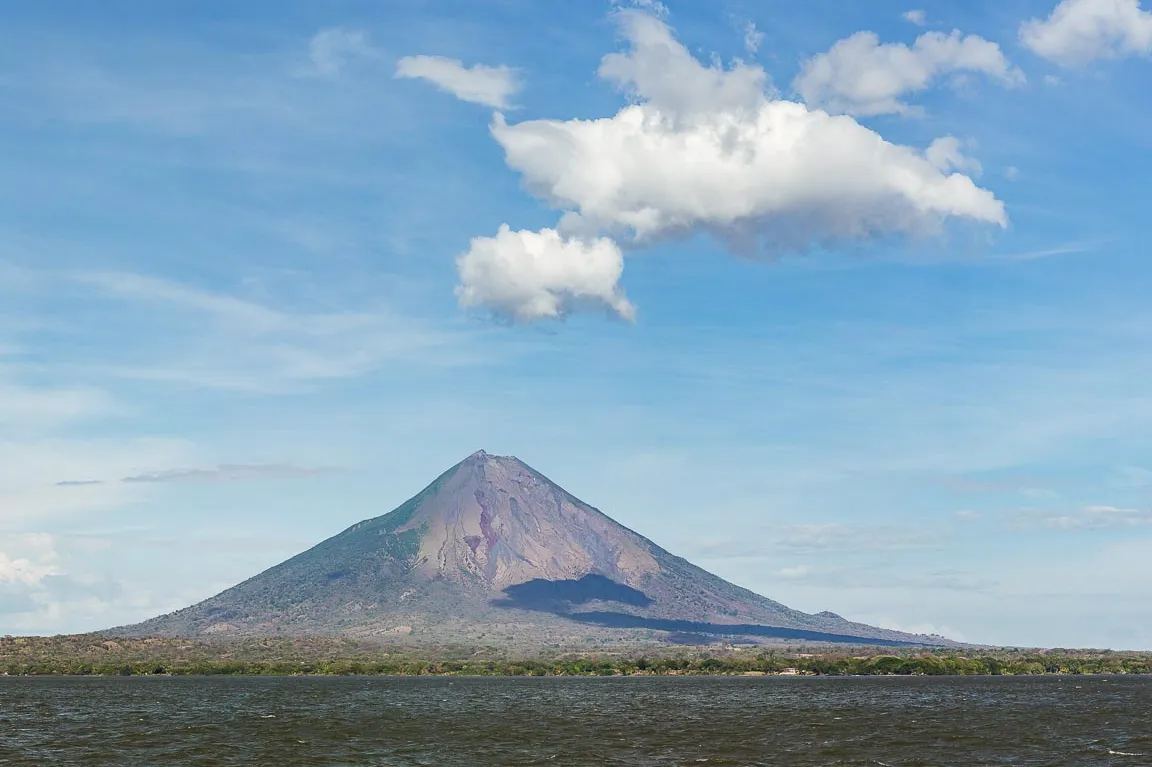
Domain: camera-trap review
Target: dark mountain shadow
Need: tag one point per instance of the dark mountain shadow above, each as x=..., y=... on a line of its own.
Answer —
x=557, y=596
x=625, y=621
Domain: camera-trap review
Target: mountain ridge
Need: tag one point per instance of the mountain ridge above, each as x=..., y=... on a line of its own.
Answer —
x=494, y=548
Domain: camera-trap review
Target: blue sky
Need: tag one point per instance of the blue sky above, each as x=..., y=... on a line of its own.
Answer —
x=253, y=290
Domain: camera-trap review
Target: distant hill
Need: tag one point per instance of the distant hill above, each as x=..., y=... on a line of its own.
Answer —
x=495, y=552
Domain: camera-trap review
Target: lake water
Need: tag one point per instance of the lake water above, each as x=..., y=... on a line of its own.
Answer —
x=444, y=722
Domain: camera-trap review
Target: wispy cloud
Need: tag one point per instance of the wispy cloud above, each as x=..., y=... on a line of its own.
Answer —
x=655, y=7
x=250, y=346
x=1064, y=249
x=753, y=38
x=330, y=49
x=824, y=537
x=861, y=76
x=491, y=86
x=37, y=585
x=224, y=473
x=915, y=16
x=48, y=469
x=1097, y=517
x=25, y=407
x=996, y=485
x=58, y=476
x=877, y=577
x=1133, y=476
x=230, y=473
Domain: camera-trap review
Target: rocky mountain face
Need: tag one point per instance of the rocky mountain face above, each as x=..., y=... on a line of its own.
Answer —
x=493, y=551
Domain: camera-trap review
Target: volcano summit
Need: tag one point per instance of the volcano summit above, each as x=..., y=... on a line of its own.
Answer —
x=494, y=551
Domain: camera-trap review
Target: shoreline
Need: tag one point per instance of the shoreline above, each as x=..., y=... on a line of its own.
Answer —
x=455, y=675
x=102, y=656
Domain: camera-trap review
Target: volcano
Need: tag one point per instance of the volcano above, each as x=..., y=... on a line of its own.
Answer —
x=493, y=551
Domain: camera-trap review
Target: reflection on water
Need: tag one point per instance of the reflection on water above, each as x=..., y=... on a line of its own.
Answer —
x=446, y=722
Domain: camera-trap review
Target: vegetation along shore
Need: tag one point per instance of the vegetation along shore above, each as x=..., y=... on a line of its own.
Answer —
x=100, y=655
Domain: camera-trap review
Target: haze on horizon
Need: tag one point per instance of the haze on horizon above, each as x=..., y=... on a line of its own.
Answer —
x=847, y=305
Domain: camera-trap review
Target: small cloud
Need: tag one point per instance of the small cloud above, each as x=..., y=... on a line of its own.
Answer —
x=967, y=515
x=836, y=536
x=1134, y=476
x=877, y=576
x=752, y=38
x=922, y=629
x=823, y=537
x=526, y=276
x=1098, y=517
x=655, y=7
x=946, y=153
x=1080, y=31
x=229, y=473
x=1011, y=173
x=36, y=559
x=478, y=84
x=331, y=48
x=860, y=76
x=79, y=482
x=962, y=484
x=917, y=17
x=33, y=580
x=1053, y=80
x=1055, y=250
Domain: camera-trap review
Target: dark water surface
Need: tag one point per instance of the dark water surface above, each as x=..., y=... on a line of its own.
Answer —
x=341, y=722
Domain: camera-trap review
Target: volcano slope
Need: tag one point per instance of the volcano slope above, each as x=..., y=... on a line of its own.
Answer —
x=494, y=552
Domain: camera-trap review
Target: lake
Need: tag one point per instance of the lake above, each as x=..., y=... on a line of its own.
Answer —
x=482, y=722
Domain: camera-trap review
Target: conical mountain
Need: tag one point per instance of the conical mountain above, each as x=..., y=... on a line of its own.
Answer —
x=492, y=549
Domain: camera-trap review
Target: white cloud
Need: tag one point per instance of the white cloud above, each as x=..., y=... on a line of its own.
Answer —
x=37, y=453
x=946, y=154
x=331, y=48
x=36, y=590
x=34, y=560
x=529, y=276
x=709, y=149
x=706, y=149
x=670, y=84
x=1099, y=517
x=234, y=343
x=654, y=7
x=915, y=16
x=479, y=84
x=235, y=472
x=860, y=76
x=817, y=537
x=23, y=407
x=30, y=486
x=1134, y=476
x=752, y=38
x=1079, y=31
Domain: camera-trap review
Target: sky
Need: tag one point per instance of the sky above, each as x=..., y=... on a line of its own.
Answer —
x=846, y=303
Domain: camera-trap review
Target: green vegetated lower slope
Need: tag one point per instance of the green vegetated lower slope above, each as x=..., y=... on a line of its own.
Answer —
x=98, y=655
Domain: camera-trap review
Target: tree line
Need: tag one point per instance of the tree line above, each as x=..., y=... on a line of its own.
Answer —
x=88, y=655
